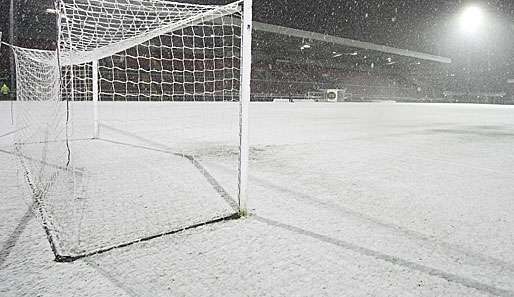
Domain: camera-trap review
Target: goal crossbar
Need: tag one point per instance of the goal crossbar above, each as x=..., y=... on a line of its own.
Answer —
x=71, y=57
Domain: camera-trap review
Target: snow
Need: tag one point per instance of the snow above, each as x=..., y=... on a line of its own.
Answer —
x=364, y=199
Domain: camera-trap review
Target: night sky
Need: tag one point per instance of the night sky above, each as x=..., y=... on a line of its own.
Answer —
x=430, y=26
x=414, y=24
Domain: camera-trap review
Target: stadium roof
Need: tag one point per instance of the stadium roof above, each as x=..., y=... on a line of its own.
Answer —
x=313, y=36
x=276, y=44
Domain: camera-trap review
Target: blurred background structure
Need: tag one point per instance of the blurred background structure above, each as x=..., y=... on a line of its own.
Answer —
x=303, y=48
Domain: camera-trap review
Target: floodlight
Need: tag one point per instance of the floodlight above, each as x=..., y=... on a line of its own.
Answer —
x=471, y=19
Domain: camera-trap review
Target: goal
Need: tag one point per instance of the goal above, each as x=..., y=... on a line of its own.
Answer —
x=137, y=125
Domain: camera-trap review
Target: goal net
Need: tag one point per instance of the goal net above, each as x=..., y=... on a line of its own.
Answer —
x=135, y=127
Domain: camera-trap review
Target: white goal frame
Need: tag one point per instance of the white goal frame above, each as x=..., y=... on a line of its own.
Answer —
x=54, y=124
x=244, y=100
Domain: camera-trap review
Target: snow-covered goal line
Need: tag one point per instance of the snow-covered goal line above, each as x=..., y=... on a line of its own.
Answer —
x=137, y=125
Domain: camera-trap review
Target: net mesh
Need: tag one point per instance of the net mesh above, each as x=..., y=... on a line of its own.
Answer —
x=165, y=154
x=194, y=63
x=41, y=141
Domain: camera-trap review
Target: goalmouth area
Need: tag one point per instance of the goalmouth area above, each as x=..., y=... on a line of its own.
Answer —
x=357, y=199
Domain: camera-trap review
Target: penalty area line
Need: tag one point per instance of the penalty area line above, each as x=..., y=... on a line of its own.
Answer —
x=397, y=261
x=13, y=238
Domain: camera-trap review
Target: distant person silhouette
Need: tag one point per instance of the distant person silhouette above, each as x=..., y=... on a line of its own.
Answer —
x=4, y=90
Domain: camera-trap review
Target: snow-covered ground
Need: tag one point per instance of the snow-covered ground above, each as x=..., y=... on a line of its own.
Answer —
x=369, y=199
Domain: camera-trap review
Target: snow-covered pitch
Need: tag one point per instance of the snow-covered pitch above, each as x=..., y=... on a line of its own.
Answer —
x=364, y=199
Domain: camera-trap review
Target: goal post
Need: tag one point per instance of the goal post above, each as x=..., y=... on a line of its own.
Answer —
x=137, y=125
x=246, y=66
x=95, y=97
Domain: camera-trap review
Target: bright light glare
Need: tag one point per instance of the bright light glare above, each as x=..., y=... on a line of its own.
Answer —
x=471, y=19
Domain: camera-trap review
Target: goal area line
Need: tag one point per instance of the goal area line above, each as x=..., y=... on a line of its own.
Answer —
x=53, y=238
x=159, y=147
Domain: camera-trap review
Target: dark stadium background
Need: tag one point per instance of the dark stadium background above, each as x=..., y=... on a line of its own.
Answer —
x=479, y=66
